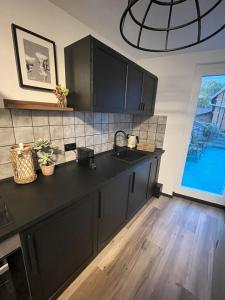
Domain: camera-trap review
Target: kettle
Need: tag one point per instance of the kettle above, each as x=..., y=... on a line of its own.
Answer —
x=132, y=141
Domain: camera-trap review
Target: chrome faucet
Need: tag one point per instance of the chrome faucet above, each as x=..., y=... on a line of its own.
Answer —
x=115, y=138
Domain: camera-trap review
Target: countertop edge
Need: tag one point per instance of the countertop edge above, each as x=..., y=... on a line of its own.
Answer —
x=71, y=202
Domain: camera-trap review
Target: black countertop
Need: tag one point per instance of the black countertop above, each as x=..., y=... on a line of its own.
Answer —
x=31, y=203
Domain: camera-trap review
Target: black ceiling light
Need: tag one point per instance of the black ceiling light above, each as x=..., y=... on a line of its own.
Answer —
x=170, y=5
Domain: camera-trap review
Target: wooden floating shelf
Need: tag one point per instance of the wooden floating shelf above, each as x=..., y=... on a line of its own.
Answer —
x=32, y=105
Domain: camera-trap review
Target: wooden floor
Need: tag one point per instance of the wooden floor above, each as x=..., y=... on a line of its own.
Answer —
x=165, y=252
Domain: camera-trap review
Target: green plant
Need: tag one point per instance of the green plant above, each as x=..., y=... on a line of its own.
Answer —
x=210, y=129
x=208, y=89
x=193, y=144
x=45, y=151
x=45, y=159
x=61, y=92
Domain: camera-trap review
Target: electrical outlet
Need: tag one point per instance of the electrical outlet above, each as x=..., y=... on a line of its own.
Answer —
x=70, y=147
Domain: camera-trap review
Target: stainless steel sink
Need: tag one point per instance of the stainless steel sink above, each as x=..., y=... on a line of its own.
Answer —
x=128, y=155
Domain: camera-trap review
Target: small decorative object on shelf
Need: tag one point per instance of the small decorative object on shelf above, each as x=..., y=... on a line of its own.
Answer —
x=146, y=147
x=22, y=163
x=45, y=151
x=61, y=93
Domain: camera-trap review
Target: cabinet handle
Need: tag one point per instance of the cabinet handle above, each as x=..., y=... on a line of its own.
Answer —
x=4, y=269
x=100, y=206
x=133, y=183
x=32, y=254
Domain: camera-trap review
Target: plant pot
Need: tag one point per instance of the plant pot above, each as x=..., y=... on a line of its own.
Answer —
x=48, y=170
x=62, y=102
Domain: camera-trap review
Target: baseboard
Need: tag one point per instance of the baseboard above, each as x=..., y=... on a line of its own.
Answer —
x=199, y=200
x=166, y=195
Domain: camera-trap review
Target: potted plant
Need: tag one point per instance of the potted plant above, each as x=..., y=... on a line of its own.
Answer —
x=209, y=130
x=45, y=151
x=61, y=93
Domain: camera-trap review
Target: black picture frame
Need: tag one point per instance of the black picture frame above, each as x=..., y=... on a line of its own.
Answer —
x=18, y=61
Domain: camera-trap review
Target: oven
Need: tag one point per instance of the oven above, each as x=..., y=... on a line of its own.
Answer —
x=13, y=281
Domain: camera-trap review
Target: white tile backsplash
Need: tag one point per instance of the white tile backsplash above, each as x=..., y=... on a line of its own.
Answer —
x=68, y=131
x=7, y=136
x=41, y=132
x=39, y=118
x=56, y=132
x=93, y=130
x=4, y=155
x=79, y=118
x=5, y=118
x=24, y=134
x=55, y=118
x=21, y=118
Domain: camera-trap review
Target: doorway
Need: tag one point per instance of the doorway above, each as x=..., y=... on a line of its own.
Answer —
x=204, y=166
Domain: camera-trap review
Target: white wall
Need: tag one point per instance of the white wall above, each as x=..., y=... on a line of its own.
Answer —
x=176, y=77
x=44, y=18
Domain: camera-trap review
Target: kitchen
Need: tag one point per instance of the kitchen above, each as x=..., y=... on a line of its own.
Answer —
x=112, y=221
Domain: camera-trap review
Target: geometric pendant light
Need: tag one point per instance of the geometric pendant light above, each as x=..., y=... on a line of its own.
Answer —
x=170, y=28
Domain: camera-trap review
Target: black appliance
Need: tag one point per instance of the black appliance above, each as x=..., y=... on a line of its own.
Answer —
x=7, y=290
x=157, y=190
x=13, y=281
x=85, y=157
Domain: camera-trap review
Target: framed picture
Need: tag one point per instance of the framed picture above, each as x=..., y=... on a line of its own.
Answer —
x=36, y=59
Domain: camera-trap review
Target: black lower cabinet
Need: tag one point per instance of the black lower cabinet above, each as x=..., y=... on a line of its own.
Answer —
x=7, y=290
x=138, y=187
x=153, y=176
x=18, y=280
x=57, y=249
x=113, y=200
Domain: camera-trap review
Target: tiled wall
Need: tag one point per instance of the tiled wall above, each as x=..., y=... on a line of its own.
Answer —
x=93, y=130
x=150, y=129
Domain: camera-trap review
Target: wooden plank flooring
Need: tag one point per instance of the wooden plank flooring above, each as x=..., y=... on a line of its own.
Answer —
x=166, y=252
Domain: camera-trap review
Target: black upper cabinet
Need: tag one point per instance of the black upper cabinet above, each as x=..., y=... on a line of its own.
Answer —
x=78, y=65
x=58, y=248
x=141, y=91
x=101, y=79
x=113, y=199
x=134, y=89
x=109, y=79
x=149, y=93
x=95, y=76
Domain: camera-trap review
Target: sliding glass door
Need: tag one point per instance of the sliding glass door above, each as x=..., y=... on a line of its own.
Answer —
x=204, y=166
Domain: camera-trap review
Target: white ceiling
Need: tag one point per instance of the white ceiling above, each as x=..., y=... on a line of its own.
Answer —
x=103, y=16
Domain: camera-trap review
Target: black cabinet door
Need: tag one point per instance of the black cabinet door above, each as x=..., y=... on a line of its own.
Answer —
x=109, y=80
x=134, y=89
x=112, y=208
x=149, y=93
x=153, y=175
x=138, y=187
x=101, y=79
x=57, y=249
